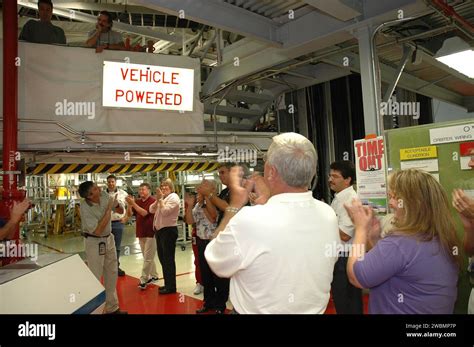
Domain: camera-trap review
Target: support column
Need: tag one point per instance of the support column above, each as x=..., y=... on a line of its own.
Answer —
x=10, y=109
x=370, y=85
x=302, y=112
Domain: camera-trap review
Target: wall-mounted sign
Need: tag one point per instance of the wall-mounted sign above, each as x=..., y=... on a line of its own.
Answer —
x=428, y=165
x=418, y=153
x=466, y=151
x=147, y=86
x=457, y=133
x=370, y=172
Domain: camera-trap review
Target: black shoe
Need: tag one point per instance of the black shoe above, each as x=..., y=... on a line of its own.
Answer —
x=118, y=312
x=166, y=291
x=121, y=272
x=203, y=309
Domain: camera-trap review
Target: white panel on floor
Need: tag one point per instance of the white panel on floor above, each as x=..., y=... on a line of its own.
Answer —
x=53, y=284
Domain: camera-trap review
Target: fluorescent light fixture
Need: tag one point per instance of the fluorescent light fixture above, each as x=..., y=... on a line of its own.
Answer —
x=458, y=55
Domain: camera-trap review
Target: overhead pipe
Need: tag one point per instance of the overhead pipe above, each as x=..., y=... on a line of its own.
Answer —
x=376, y=68
x=95, y=143
x=141, y=134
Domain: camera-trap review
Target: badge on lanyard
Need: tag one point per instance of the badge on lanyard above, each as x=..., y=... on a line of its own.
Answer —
x=101, y=248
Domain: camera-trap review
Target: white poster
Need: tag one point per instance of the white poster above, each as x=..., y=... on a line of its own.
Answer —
x=457, y=133
x=465, y=163
x=370, y=171
x=147, y=86
x=428, y=165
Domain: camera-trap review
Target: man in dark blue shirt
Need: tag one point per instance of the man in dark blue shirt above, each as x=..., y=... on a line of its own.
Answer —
x=43, y=31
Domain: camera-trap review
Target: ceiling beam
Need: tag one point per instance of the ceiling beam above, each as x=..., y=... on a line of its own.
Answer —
x=311, y=33
x=88, y=18
x=81, y=5
x=340, y=9
x=407, y=81
x=220, y=15
x=432, y=61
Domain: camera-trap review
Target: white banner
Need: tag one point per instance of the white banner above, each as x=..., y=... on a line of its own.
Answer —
x=457, y=133
x=64, y=85
x=428, y=165
x=128, y=85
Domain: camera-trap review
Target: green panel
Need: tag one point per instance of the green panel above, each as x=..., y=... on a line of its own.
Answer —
x=450, y=176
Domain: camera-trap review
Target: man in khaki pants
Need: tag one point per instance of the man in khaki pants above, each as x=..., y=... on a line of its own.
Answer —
x=145, y=232
x=99, y=242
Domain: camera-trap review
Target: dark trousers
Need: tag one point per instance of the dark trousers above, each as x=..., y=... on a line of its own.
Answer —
x=197, y=265
x=347, y=298
x=166, y=246
x=117, y=230
x=216, y=289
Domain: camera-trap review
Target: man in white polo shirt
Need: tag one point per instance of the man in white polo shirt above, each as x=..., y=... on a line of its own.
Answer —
x=118, y=218
x=347, y=298
x=275, y=253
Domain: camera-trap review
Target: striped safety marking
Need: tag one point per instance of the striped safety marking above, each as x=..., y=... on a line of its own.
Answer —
x=43, y=168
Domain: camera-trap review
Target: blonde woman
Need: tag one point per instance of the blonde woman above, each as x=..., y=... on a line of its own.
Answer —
x=414, y=269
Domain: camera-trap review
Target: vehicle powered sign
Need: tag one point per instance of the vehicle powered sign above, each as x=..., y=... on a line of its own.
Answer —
x=146, y=86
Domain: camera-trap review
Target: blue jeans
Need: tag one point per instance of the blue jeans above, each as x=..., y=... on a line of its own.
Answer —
x=117, y=230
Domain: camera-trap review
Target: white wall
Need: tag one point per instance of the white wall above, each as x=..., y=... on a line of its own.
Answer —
x=443, y=112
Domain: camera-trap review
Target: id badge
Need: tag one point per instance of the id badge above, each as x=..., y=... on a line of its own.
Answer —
x=101, y=248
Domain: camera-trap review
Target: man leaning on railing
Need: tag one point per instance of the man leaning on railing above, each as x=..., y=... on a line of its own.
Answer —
x=103, y=37
x=43, y=31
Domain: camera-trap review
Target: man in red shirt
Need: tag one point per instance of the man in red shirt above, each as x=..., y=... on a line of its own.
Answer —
x=144, y=232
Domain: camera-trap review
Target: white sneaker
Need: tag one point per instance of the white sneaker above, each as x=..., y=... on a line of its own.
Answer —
x=198, y=289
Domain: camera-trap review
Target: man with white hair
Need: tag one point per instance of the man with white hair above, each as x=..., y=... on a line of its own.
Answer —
x=276, y=253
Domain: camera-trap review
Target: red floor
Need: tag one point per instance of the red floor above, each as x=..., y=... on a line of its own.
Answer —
x=332, y=310
x=148, y=301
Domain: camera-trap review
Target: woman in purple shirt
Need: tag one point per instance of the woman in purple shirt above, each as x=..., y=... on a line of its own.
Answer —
x=414, y=269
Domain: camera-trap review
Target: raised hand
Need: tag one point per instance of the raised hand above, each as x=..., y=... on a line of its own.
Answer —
x=19, y=209
x=205, y=188
x=361, y=215
x=112, y=202
x=261, y=190
x=463, y=204
x=190, y=200
x=239, y=194
x=159, y=193
x=129, y=200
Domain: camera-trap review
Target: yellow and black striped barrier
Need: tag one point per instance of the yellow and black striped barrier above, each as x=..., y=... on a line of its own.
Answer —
x=43, y=168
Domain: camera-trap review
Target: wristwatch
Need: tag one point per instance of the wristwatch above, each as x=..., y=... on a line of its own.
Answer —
x=232, y=209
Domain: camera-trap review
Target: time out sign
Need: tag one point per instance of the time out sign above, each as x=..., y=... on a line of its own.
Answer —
x=146, y=86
